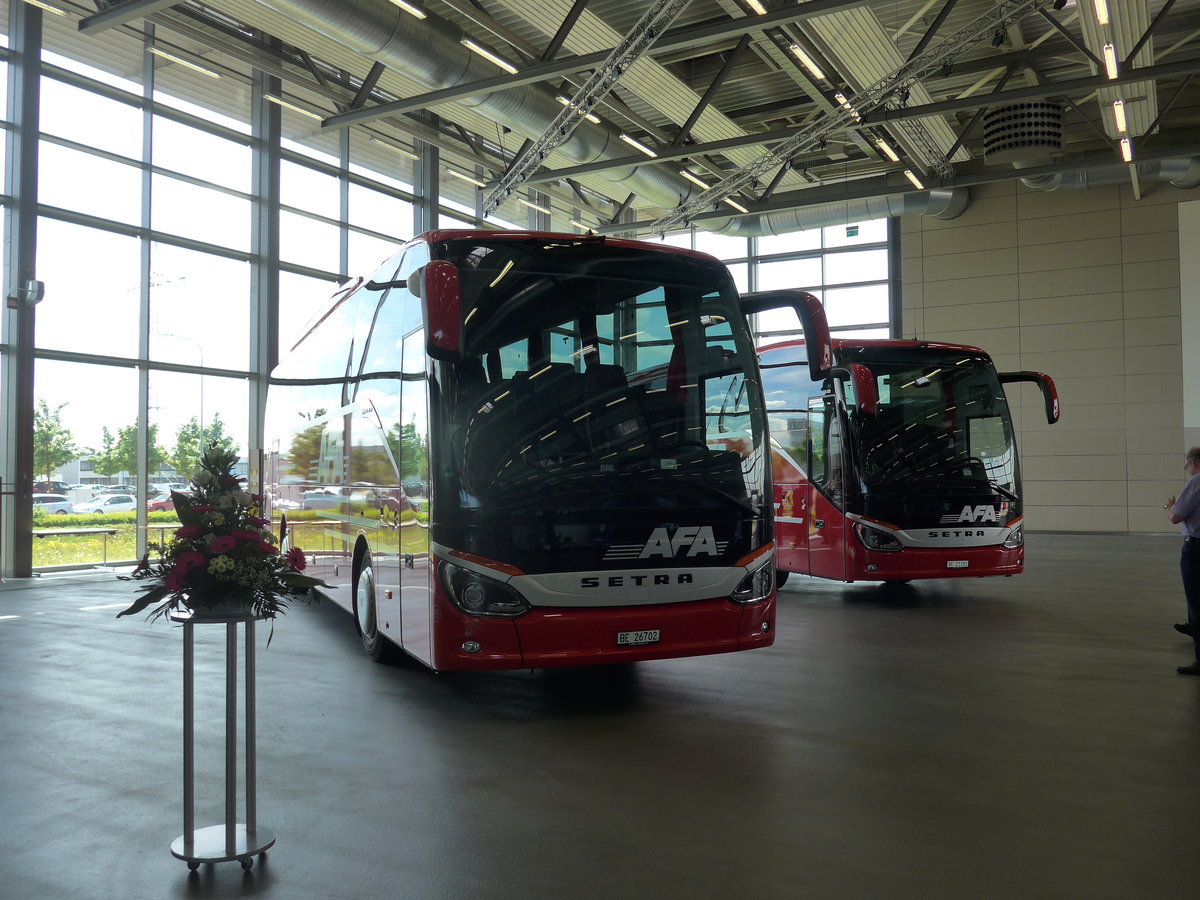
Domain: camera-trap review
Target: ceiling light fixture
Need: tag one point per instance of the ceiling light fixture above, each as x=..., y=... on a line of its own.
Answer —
x=533, y=206
x=1101, y=7
x=287, y=104
x=50, y=8
x=807, y=61
x=395, y=148
x=637, y=145
x=1118, y=109
x=1110, y=60
x=489, y=56
x=908, y=173
x=1126, y=149
x=887, y=150
x=187, y=64
x=410, y=9
x=845, y=104
x=591, y=117
x=694, y=179
x=580, y=225
x=736, y=205
x=465, y=177
x=756, y=7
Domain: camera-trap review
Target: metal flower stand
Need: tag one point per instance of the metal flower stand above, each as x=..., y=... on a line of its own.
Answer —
x=231, y=840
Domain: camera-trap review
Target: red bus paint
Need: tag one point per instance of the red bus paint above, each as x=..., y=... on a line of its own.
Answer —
x=897, y=462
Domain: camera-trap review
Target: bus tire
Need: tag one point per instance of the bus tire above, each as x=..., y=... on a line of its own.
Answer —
x=781, y=577
x=378, y=647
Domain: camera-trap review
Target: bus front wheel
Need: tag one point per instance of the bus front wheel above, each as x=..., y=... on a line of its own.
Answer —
x=781, y=577
x=377, y=646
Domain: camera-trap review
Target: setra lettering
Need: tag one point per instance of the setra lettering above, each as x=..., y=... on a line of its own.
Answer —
x=633, y=580
x=956, y=534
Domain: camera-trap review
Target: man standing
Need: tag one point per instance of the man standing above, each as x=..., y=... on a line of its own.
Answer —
x=1185, y=512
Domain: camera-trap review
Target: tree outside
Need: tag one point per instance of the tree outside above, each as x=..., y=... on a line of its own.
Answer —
x=119, y=454
x=191, y=440
x=53, y=444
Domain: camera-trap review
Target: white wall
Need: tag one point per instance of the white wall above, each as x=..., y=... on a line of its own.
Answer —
x=1083, y=284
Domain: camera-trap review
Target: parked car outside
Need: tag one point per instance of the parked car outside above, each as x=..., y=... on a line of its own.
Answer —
x=161, y=502
x=51, y=487
x=118, y=489
x=108, y=503
x=52, y=503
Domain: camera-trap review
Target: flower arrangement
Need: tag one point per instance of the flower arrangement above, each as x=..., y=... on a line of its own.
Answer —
x=223, y=556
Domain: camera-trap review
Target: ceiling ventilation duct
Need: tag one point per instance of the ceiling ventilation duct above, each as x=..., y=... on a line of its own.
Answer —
x=1181, y=173
x=1023, y=133
x=941, y=204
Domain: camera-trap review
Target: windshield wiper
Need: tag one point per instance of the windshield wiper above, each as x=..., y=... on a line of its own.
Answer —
x=1003, y=491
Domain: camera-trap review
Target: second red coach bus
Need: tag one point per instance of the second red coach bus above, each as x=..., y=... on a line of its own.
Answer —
x=519, y=450
x=897, y=463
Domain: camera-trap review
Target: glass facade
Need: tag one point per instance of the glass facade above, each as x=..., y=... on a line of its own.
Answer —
x=186, y=230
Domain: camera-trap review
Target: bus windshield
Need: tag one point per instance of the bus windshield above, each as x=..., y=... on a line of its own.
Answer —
x=592, y=378
x=942, y=419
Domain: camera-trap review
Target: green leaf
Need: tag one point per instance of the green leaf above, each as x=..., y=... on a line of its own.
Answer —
x=152, y=595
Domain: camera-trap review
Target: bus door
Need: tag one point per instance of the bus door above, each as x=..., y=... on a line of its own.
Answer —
x=826, y=529
x=789, y=480
x=416, y=599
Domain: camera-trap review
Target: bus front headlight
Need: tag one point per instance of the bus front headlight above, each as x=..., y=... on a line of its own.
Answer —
x=478, y=595
x=755, y=586
x=876, y=538
x=1015, y=538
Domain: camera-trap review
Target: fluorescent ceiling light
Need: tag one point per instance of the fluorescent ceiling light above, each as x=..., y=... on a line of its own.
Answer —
x=887, y=150
x=908, y=173
x=1110, y=60
x=693, y=178
x=845, y=104
x=637, y=145
x=410, y=9
x=533, y=206
x=757, y=7
x=395, y=148
x=589, y=116
x=736, y=205
x=187, y=64
x=807, y=61
x=48, y=7
x=287, y=104
x=580, y=225
x=1101, y=7
x=1126, y=149
x=465, y=177
x=1118, y=109
x=489, y=55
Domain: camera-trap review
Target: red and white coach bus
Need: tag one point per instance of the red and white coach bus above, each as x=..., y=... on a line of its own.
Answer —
x=898, y=462
x=520, y=450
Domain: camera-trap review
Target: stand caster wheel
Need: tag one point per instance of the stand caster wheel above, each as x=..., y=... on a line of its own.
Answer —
x=193, y=866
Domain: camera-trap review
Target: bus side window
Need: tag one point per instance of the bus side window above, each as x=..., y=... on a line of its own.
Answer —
x=825, y=448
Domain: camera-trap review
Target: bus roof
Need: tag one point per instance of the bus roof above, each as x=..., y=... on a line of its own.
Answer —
x=844, y=343
x=432, y=237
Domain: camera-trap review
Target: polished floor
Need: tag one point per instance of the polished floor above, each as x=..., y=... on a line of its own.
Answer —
x=1006, y=738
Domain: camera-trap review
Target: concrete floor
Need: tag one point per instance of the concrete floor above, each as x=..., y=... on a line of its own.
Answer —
x=1007, y=738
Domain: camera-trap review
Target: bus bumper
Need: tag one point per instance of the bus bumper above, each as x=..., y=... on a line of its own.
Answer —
x=913, y=563
x=553, y=637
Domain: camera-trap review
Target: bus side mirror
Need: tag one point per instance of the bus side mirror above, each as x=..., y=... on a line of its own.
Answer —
x=1045, y=383
x=811, y=313
x=865, y=391
x=438, y=286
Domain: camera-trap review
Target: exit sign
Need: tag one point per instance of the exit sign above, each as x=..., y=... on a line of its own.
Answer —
x=851, y=231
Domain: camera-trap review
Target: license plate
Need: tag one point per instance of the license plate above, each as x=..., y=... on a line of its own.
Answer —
x=634, y=638
x=957, y=563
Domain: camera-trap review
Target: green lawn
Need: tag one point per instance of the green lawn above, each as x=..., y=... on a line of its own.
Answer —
x=87, y=549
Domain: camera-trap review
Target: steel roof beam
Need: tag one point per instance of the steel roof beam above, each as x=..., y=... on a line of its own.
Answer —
x=122, y=13
x=678, y=39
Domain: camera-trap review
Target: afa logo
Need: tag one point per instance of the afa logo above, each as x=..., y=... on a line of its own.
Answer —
x=688, y=540
x=972, y=514
x=696, y=539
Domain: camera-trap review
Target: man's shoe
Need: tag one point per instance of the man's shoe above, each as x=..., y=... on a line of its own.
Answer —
x=1193, y=669
x=1183, y=628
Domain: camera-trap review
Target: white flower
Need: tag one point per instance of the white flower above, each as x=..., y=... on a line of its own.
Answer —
x=202, y=477
x=243, y=498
